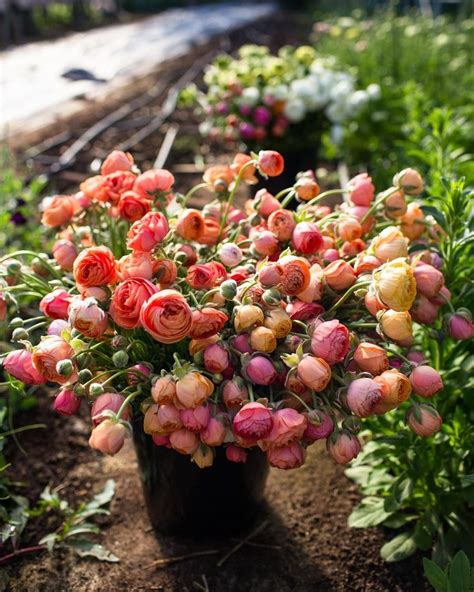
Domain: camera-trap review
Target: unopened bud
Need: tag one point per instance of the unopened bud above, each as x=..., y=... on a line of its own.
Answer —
x=120, y=359
x=228, y=289
x=84, y=376
x=19, y=334
x=64, y=367
x=96, y=389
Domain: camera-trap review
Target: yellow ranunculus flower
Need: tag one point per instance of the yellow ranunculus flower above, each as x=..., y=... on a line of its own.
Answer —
x=395, y=284
x=397, y=326
x=389, y=244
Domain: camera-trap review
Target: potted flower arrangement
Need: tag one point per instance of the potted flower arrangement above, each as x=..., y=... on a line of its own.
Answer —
x=225, y=340
x=284, y=101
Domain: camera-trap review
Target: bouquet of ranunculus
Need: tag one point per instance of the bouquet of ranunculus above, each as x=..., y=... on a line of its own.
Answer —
x=264, y=328
x=267, y=100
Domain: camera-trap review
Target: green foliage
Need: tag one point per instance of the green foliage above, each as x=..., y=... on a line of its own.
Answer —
x=458, y=576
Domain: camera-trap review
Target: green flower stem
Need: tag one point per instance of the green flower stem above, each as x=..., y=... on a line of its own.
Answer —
x=192, y=191
x=283, y=192
x=300, y=400
x=126, y=401
x=377, y=203
x=321, y=196
x=287, y=199
x=345, y=296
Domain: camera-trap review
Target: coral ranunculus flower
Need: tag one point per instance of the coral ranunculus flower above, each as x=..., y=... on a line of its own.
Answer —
x=206, y=322
x=58, y=210
x=166, y=316
x=148, y=232
x=95, y=266
x=128, y=299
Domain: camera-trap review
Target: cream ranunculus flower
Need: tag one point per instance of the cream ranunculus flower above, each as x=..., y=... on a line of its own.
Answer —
x=395, y=284
x=397, y=326
x=389, y=244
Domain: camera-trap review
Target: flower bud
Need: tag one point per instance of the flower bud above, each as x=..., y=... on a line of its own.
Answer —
x=67, y=403
x=108, y=402
x=361, y=190
x=371, y=358
x=235, y=454
x=203, y=457
x=287, y=457
x=424, y=420
x=363, y=396
x=163, y=390
x=314, y=372
x=330, y=341
x=247, y=316
x=319, y=426
x=260, y=370
x=389, y=244
x=339, y=275
x=228, y=289
x=216, y=358
x=234, y=392
x=84, y=376
x=343, y=447
x=96, y=389
x=410, y=181
x=242, y=343
x=20, y=334
x=120, y=359
x=397, y=326
x=270, y=163
x=65, y=367
x=195, y=419
x=253, y=422
x=395, y=388
x=193, y=390
x=395, y=204
x=214, y=433
x=426, y=381
x=288, y=426
x=230, y=254
x=263, y=340
x=307, y=238
x=429, y=280
x=279, y=322
x=460, y=326
x=108, y=437
x=184, y=441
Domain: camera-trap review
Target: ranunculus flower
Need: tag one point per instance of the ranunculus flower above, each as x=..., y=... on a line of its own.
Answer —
x=247, y=316
x=204, y=276
x=270, y=163
x=263, y=340
x=184, y=441
x=372, y=303
x=67, y=403
x=57, y=327
x=424, y=310
x=366, y=264
x=343, y=447
x=95, y=266
x=163, y=390
x=397, y=326
x=270, y=275
x=303, y=311
x=395, y=204
x=108, y=437
x=296, y=275
x=148, y=232
x=264, y=243
x=190, y=225
x=19, y=364
x=265, y=203
x=48, y=353
x=307, y=238
x=117, y=161
x=230, y=254
x=235, y=454
x=395, y=285
x=395, y=388
x=410, y=181
x=165, y=271
x=339, y=275
x=287, y=457
x=148, y=184
x=64, y=253
x=371, y=358
x=319, y=425
x=212, y=231
x=166, y=316
x=87, y=317
x=203, y=457
x=248, y=174
x=161, y=419
x=306, y=188
x=426, y=381
x=361, y=190
x=460, y=326
x=206, y=322
x=234, y=392
x=216, y=358
x=282, y=224
x=108, y=402
x=193, y=390
x=314, y=372
x=219, y=177
x=214, y=433
x=58, y=210
x=260, y=370
x=132, y=206
x=363, y=395
x=288, y=427
x=128, y=299
x=253, y=422
x=195, y=419
x=330, y=341
x=389, y=244
x=425, y=422
x=429, y=280
x=413, y=221
x=349, y=229
x=55, y=305
x=113, y=185
x=136, y=265
x=279, y=322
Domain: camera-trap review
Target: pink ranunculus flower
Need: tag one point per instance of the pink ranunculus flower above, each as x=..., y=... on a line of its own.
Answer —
x=216, y=358
x=128, y=300
x=330, y=341
x=108, y=402
x=424, y=422
x=195, y=419
x=429, y=280
x=214, y=432
x=288, y=427
x=253, y=422
x=361, y=190
x=234, y=392
x=265, y=203
x=260, y=370
x=343, y=447
x=339, y=275
x=56, y=304
x=230, y=254
x=184, y=441
x=235, y=454
x=58, y=326
x=166, y=316
x=460, y=326
x=148, y=232
x=48, y=353
x=20, y=365
x=270, y=163
x=426, y=381
x=65, y=253
x=108, y=437
x=319, y=425
x=67, y=403
x=363, y=395
x=117, y=161
x=138, y=264
x=287, y=457
x=314, y=372
x=155, y=180
x=307, y=238
x=87, y=317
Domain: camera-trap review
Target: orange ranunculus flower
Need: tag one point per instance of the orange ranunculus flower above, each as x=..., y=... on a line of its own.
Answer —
x=149, y=183
x=219, y=177
x=339, y=275
x=165, y=271
x=296, y=275
x=249, y=172
x=207, y=322
x=166, y=316
x=128, y=299
x=204, y=276
x=282, y=223
x=115, y=185
x=314, y=372
x=212, y=229
x=396, y=389
x=95, y=266
x=132, y=207
x=410, y=181
x=193, y=390
x=395, y=204
x=190, y=225
x=371, y=358
x=413, y=221
x=48, y=353
x=58, y=210
x=270, y=163
x=136, y=265
x=395, y=284
x=148, y=232
x=117, y=161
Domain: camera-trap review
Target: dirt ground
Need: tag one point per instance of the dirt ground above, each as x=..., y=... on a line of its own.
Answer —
x=306, y=547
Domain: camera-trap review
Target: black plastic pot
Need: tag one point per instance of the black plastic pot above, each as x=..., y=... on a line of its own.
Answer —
x=183, y=499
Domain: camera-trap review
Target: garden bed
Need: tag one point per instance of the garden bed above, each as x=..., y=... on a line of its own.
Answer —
x=307, y=513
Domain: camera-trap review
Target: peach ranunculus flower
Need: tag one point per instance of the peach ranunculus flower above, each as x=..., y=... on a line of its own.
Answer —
x=397, y=326
x=339, y=275
x=166, y=316
x=148, y=232
x=58, y=210
x=128, y=299
x=138, y=264
x=64, y=253
x=95, y=266
x=248, y=175
x=396, y=389
x=190, y=225
x=212, y=230
x=154, y=181
x=389, y=244
x=219, y=177
x=48, y=353
x=113, y=186
x=207, y=322
x=193, y=390
x=117, y=161
x=395, y=284
x=165, y=271
x=296, y=275
x=132, y=206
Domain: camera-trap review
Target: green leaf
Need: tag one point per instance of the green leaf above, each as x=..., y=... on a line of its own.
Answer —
x=400, y=547
x=87, y=549
x=49, y=540
x=435, y=575
x=359, y=475
x=103, y=497
x=370, y=512
x=460, y=573
x=83, y=528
